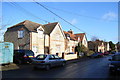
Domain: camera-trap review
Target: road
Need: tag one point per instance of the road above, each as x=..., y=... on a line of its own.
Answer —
x=89, y=68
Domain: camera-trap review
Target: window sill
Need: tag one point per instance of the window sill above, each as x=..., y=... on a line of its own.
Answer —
x=20, y=38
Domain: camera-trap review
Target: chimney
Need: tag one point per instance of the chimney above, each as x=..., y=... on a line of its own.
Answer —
x=70, y=31
x=49, y=23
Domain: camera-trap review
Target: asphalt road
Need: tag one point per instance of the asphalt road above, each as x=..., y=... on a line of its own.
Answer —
x=88, y=68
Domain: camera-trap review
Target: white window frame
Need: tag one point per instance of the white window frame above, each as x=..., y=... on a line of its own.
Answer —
x=20, y=33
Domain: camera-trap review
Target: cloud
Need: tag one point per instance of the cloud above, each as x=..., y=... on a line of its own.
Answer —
x=109, y=16
x=73, y=21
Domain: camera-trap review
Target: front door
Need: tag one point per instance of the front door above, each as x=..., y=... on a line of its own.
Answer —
x=46, y=50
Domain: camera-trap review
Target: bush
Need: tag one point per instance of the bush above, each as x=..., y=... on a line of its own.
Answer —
x=90, y=52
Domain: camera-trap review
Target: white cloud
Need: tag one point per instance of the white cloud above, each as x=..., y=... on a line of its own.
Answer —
x=73, y=21
x=109, y=16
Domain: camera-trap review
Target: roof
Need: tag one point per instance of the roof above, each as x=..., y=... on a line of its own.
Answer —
x=48, y=28
x=72, y=36
x=31, y=26
x=97, y=42
x=81, y=35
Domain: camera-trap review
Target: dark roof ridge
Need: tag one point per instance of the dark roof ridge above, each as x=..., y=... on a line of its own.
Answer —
x=51, y=23
x=23, y=23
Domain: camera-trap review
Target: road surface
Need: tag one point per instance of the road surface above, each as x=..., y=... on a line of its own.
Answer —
x=88, y=68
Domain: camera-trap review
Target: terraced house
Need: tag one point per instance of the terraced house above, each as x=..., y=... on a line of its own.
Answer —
x=72, y=40
x=98, y=46
x=42, y=39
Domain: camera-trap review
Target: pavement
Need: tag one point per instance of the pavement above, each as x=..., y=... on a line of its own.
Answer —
x=15, y=66
x=77, y=60
x=8, y=67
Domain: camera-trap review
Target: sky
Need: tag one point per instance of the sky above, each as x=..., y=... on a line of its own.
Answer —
x=99, y=19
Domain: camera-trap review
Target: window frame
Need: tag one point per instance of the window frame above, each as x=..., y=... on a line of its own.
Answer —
x=20, y=34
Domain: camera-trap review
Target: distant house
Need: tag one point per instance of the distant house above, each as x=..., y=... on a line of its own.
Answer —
x=48, y=38
x=107, y=46
x=118, y=46
x=92, y=46
x=98, y=46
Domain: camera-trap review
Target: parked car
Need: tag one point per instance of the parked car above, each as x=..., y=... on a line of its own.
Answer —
x=96, y=55
x=70, y=53
x=114, y=64
x=106, y=53
x=101, y=54
x=113, y=52
x=23, y=56
x=81, y=54
x=47, y=61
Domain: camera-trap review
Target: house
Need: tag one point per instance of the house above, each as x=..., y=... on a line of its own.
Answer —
x=107, y=46
x=24, y=35
x=98, y=46
x=41, y=39
x=81, y=37
x=118, y=46
x=54, y=38
x=71, y=41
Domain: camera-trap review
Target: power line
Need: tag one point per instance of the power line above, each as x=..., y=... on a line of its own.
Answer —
x=24, y=10
x=61, y=17
x=76, y=14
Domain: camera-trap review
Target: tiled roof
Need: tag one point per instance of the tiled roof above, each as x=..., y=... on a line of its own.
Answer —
x=72, y=36
x=48, y=28
x=81, y=35
x=31, y=26
x=97, y=42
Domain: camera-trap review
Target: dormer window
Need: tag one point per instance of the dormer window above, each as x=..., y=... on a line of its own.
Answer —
x=40, y=29
x=20, y=33
x=40, y=32
x=78, y=38
x=68, y=36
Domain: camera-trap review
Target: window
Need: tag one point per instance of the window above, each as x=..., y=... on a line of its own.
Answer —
x=40, y=32
x=21, y=34
x=41, y=57
x=56, y=57
x=29, y=52
x=51, y=57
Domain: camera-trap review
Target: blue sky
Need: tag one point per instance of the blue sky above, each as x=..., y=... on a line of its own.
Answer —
x=98, y=19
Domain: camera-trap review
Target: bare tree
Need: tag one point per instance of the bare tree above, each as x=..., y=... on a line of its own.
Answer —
x=3, y=27
x=94, y=38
